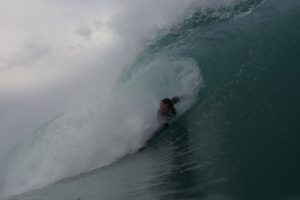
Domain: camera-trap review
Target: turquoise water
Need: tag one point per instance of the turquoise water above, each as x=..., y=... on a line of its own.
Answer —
x=239, y=139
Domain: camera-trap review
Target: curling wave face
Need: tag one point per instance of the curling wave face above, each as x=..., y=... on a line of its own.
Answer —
x=238, y=49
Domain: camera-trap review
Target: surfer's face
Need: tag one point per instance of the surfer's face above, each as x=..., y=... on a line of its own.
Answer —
x=163, y=108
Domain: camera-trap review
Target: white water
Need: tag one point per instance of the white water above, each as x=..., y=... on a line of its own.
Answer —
x=61, y=104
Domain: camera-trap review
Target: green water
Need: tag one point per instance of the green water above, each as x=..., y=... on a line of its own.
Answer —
x=240, y=140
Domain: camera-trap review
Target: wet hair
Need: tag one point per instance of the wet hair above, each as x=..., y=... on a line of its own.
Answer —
x=169, y=102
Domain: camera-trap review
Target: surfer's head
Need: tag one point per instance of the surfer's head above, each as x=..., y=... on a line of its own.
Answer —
x=166, y=106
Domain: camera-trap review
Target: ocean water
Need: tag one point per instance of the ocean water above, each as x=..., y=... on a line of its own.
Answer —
x=236, y=136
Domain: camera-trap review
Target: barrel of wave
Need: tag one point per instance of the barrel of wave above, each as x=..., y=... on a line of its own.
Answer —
x=100, y=132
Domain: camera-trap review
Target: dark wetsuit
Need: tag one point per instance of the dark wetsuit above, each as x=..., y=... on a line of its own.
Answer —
x=166, y=119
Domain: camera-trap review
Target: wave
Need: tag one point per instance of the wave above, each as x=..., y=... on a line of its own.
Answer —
x=192, y=58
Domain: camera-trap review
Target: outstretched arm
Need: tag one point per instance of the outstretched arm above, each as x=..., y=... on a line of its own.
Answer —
x=178, y=98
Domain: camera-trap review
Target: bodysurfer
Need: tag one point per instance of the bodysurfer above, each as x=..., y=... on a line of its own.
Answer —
x=165, y=115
